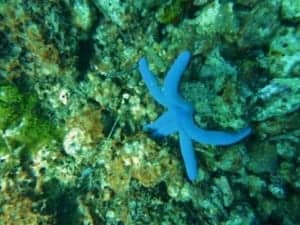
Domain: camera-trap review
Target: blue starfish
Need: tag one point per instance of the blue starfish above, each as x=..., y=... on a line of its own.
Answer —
x=179, y=114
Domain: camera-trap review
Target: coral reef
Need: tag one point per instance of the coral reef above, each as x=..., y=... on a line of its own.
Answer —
x=73, y=107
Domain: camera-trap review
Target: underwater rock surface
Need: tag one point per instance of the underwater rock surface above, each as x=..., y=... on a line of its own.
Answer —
x=73, y=106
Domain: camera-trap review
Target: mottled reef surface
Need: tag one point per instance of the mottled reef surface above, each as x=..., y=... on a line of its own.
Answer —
x=73, y=106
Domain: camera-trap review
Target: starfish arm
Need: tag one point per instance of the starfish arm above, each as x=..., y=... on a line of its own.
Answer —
x=188, y=155
x=171, y=82
x=163, y=126
x=214, y=137
x=151, y=82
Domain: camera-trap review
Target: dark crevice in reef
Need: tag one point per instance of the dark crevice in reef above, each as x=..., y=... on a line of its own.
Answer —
x=86, y=51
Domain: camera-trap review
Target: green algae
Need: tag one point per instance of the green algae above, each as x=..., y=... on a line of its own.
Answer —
x=23, y=123
x=171, y=12
x=11, y=106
